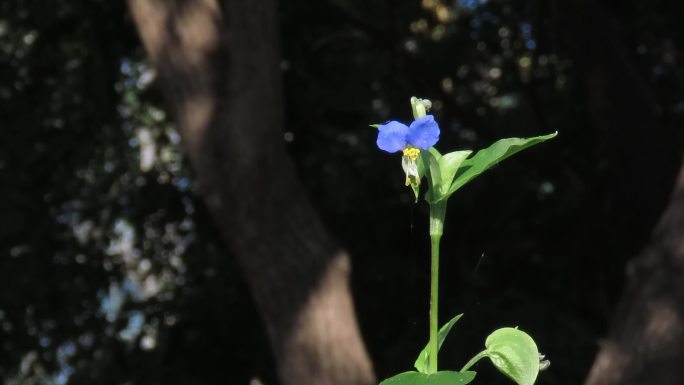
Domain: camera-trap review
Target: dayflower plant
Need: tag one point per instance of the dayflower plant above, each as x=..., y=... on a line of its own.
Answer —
x=512, y=351
x=422, y=134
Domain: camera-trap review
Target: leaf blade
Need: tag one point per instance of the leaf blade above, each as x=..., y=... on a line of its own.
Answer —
x=440, y=378
x=430, y=161
x=515, y=354
x=448, y=166
x=492, y=155
x=421, y=363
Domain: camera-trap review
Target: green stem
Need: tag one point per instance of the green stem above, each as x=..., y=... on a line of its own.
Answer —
x=437, y=214
x=473, y=360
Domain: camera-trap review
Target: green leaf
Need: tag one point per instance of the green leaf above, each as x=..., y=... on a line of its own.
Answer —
x=514, y=353
x=435, y=173
x=424, y=357
x=448, y=166
x=439, y=378
x=430, y=165
x=435, y=153
x=490, y=156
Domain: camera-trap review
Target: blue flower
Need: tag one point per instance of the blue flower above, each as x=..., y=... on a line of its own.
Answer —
x=422, y=134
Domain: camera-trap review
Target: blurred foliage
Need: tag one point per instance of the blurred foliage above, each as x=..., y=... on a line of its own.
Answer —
x=110, y=269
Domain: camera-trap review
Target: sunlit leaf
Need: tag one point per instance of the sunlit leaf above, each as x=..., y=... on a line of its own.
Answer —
x=422, y=362
x=514, y=353
x=435, y=153
x=430, y=163
x=490, y=156
x=448, y=166
x=439, y=378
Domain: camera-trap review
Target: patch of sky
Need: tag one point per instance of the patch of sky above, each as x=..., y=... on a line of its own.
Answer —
x=136, y=321
x=64, y=353
x=125, y=67
x=148, y=149
x=174, y=137
x=133, y=289
x=526, y=33
x=123, y=240
x=183, y=183
x=146, y=77
x=526, y=30
x=30, y=37
x=471, y=4
x=112, y=302
x=44, y=342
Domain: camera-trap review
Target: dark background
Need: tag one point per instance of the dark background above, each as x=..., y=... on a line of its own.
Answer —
x=111, y=273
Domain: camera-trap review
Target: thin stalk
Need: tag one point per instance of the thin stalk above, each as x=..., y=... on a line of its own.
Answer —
x=473, y=360
x=437, y=213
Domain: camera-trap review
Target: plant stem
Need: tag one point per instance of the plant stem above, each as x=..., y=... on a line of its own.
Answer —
x=437, y=214
x=473, y=360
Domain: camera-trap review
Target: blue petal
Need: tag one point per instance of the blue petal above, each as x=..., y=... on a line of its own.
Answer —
x=423, y=132
x=392, y=136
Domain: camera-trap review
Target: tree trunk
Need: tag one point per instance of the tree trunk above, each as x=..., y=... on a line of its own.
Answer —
x=218, y=69
x=646, y=338
x=646, y=343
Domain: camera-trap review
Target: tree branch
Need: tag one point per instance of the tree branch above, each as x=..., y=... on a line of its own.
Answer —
x=218, y=68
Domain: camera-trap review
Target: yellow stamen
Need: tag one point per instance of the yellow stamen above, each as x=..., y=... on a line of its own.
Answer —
x=408, y=163
x=411, y=153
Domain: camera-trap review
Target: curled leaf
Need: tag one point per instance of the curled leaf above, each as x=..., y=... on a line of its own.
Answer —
x=514, y=353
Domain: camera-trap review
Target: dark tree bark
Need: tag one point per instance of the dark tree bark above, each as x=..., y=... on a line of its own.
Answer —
x=646, y=342
x=646, y=338
x=218, y=68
